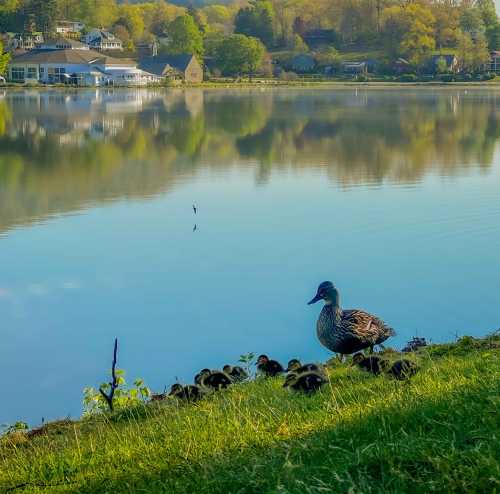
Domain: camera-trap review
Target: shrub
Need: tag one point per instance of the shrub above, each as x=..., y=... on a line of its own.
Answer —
x=288, y=76
x=446, y=78
x=408, y=78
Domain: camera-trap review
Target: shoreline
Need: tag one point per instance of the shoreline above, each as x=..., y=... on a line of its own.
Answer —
x=272, y=84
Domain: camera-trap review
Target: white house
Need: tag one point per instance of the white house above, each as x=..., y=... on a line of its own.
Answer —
x=76, y=66
x=26, y=41
x=101, y=40
x=69, y=28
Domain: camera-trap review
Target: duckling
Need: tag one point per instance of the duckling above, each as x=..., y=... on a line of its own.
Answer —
x=187, y=393
x=372, y=363
x=307, y=382
x=401, y=369
x=269, y=368
x=200, y=375
x=215, y=380
x=158, y=397
x=236, y=372
x=347, y=331
x=296, y=366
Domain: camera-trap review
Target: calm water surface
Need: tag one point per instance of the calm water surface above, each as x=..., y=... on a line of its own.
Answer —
x=393, y=195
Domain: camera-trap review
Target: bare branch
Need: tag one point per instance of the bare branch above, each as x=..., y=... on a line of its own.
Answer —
x=114, y=382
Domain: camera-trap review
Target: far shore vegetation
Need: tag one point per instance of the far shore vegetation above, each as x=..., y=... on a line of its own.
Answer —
x=436, y=432
x=299, y=40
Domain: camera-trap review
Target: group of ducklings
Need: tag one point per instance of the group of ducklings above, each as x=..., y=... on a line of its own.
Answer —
x=304, y=378
x=205, y=382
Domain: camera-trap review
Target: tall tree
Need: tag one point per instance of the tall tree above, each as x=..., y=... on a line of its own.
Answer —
x=4, y=59
x=42, y=13
x=185, y=36
x=239, y=54
x=257, y=20
x=418, y=41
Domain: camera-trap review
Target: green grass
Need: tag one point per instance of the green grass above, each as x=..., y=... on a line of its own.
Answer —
x=438, y=432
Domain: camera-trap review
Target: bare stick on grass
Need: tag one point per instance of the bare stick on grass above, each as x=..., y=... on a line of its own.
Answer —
x=114, y=383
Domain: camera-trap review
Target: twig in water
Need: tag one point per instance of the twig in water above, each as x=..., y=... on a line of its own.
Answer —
x=113, y=383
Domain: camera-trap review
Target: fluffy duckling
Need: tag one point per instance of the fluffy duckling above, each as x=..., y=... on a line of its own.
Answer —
x=236, y=372
x=296, y=366
x=372, y=363
x=401, y=369
x=186, y=393
x=269, y=368
x=158, y=396
x=200, y=375
x=215, y=380
x=307, y=382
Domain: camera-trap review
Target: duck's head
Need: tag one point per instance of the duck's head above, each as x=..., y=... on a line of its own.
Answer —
x=175, y=388
x=227, y=369
x=327, y=292
x=201, y=375
x=291, y=379
x=293, y=364
x=262, y=359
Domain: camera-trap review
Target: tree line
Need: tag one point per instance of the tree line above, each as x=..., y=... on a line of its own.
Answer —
x=237, y=35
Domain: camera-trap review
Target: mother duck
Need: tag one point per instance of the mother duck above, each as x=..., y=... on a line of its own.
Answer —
x=347, y=331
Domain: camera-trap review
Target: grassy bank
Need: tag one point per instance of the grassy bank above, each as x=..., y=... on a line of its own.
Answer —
x=438, y=432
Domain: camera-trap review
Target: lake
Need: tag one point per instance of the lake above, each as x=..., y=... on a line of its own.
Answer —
x=394, y=195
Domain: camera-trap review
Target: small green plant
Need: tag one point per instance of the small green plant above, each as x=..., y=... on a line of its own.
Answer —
x=17, y=427
x=94, y=401
x=247, y=359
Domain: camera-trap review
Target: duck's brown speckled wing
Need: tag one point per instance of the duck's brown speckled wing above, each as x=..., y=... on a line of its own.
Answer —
x=365, y=326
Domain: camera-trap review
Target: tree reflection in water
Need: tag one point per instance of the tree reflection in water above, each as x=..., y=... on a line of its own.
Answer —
x=62, y=150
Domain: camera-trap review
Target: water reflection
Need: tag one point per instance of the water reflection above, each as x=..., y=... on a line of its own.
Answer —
x=60, y=151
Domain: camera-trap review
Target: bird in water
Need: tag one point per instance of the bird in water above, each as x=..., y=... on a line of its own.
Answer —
x=401, y=369
x=347, y=331
x=269, y=368
x=236, y=372
x=294, y=365
x=186, y=393
x=306, y=382
x=195, y=209
x=372, y=363
x=195, y=227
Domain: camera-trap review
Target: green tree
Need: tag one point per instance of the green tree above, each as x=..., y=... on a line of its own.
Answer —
x=257, y=20
x=493, y=36
x=298, y=44
x=4, y=59
x=441, y=66
x=238, y=54
x=409, y=31
x=418, y=41
x=464, y=50
x=185, y=36
x=480, y=54
x=199, y=18
x=42, y=13
x=130, y=17
x=471, y=22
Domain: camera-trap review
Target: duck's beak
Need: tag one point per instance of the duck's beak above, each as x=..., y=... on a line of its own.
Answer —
x=317, y=298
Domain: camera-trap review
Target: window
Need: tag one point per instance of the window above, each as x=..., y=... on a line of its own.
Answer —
x=42, y=72
x=32, y=73
x=59, y=70
x=17, y=73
